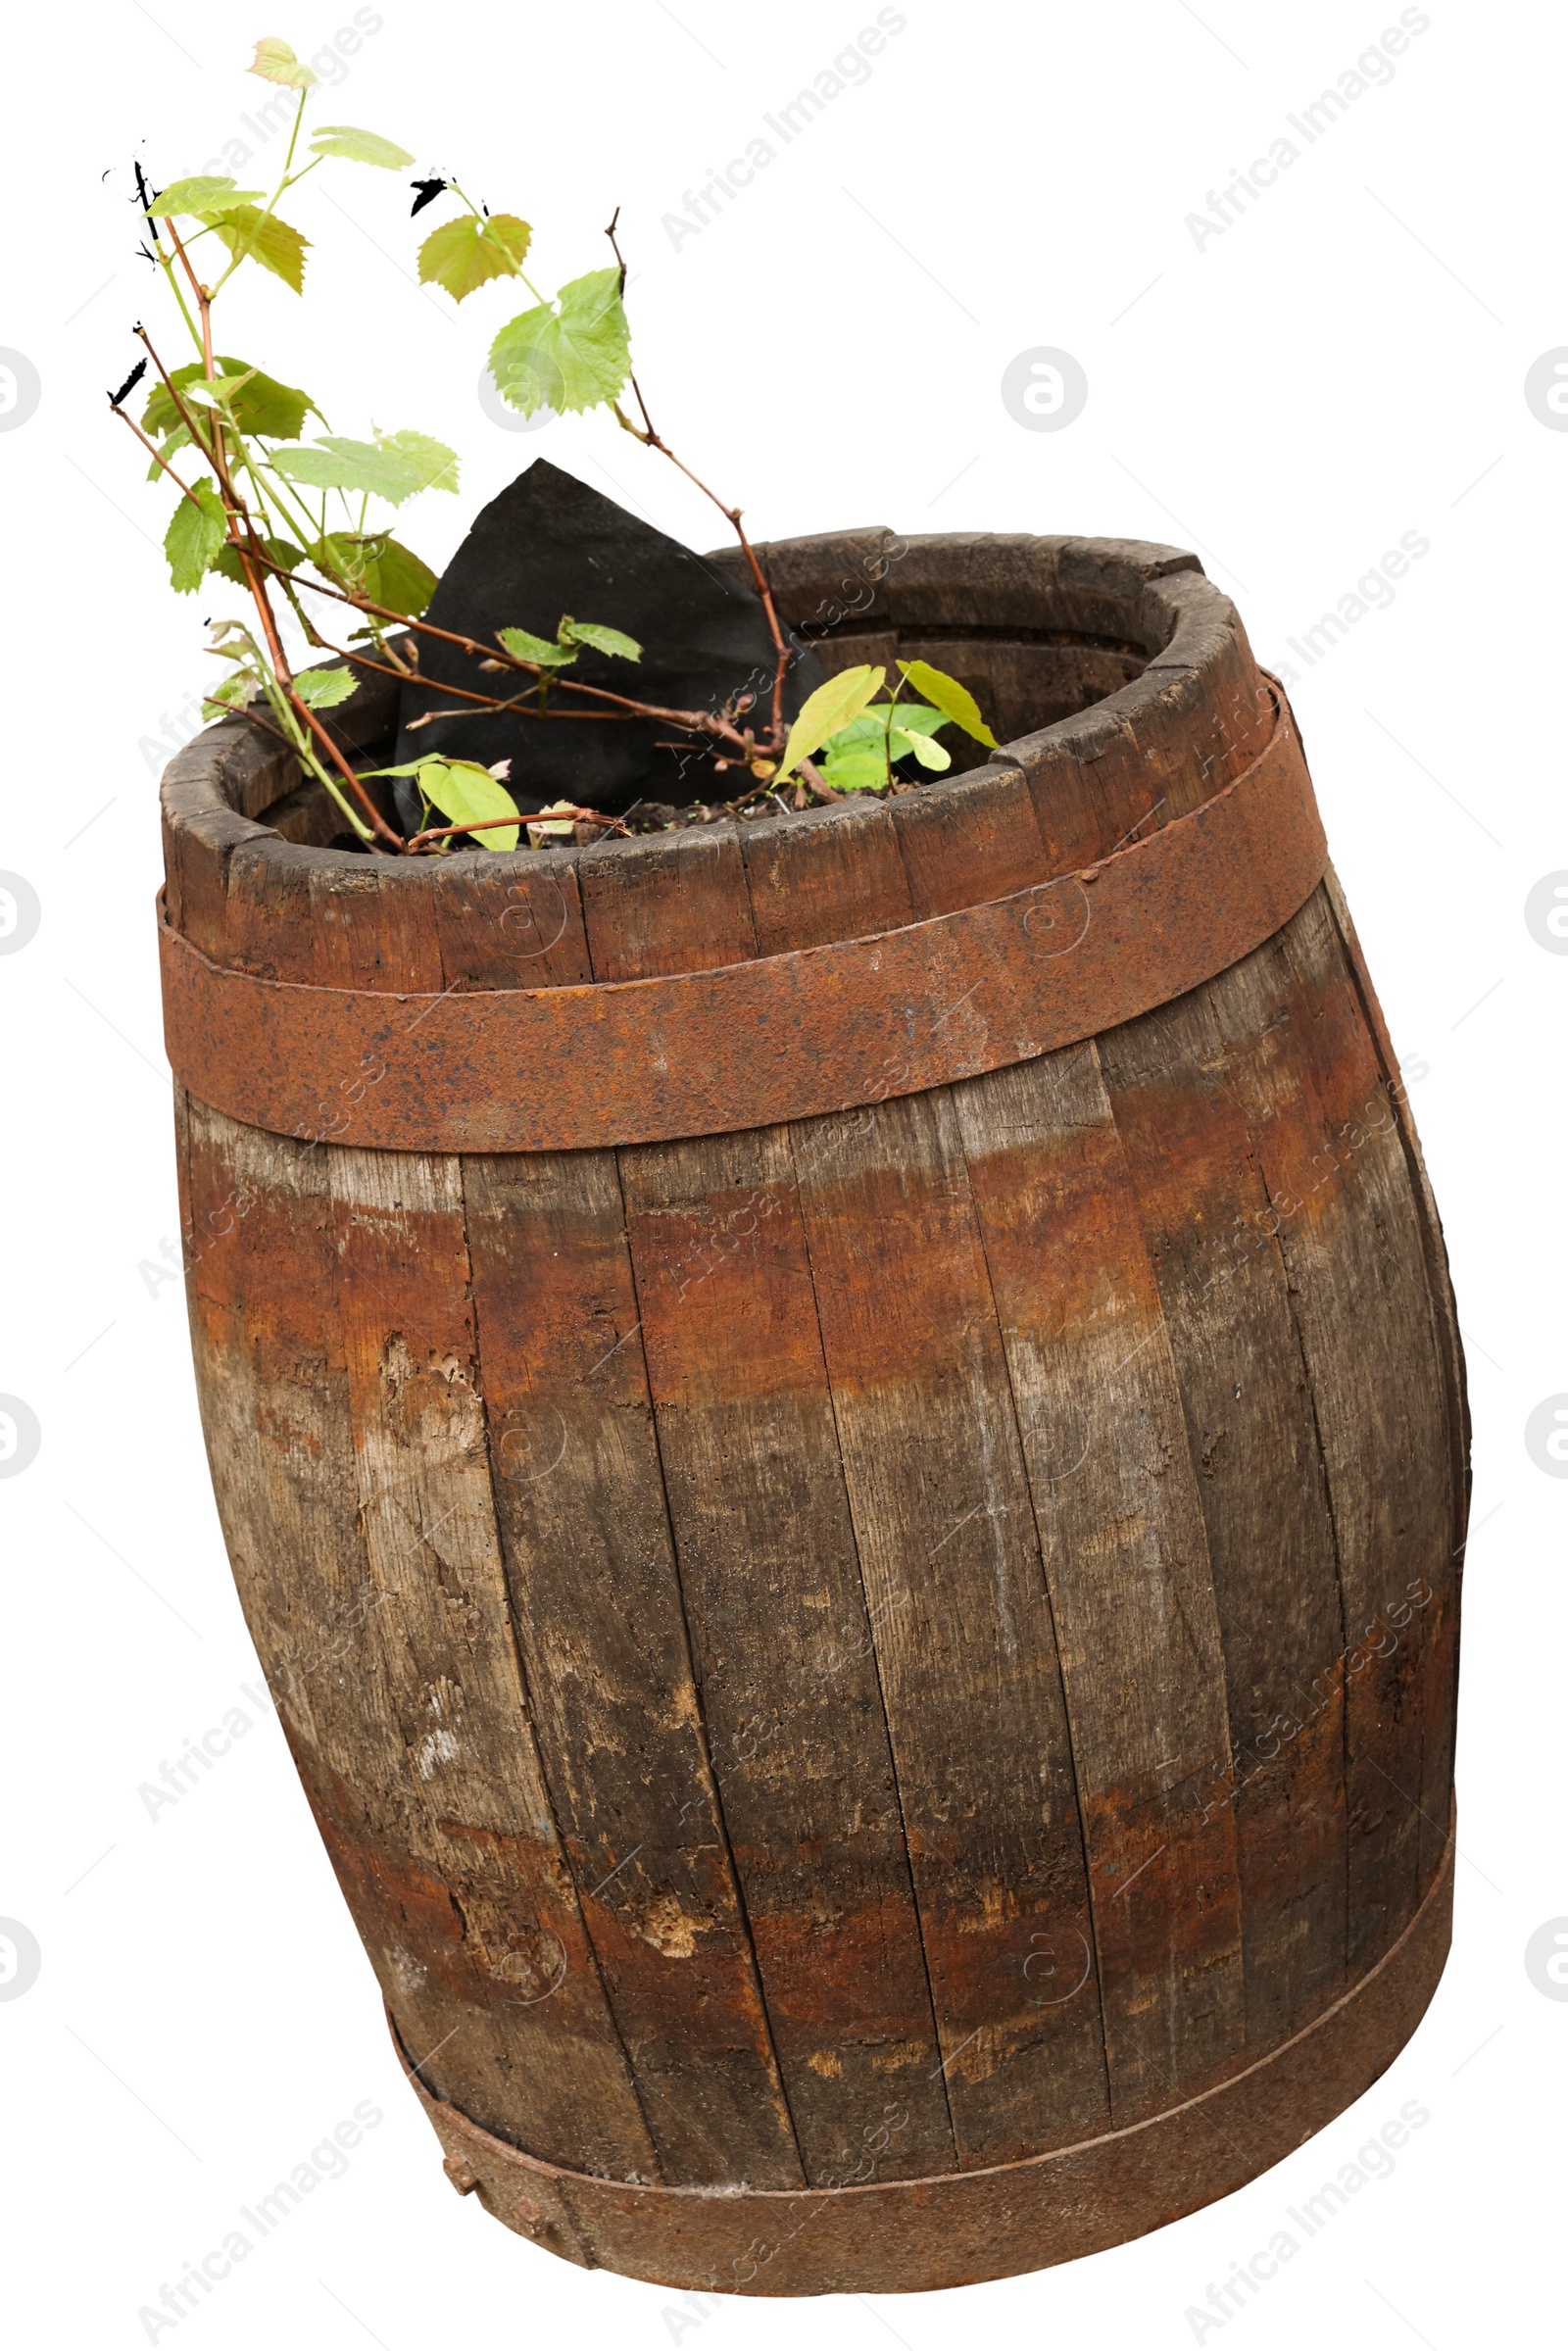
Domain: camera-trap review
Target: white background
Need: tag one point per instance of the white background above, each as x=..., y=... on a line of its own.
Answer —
x=1342, y=365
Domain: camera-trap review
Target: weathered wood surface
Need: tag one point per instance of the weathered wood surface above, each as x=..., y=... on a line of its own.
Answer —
x=886, y=1646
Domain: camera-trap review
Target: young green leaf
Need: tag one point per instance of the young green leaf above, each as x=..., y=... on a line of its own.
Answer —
x=858, y=770
x=830, y=708
x=867, y=730
x=461, y=255
x=275, y=60
x=916, y=718
x=173, y=443
x=199, y=196
x=262, y=405
x=602, y=640
x=193, y=538
x=467, y=794
x=233, y=695
x=394, y=466
x=359, y=146
x=956, y=702
x=214, y=392
x=929, y=752
x=526, y=647
x=566, y=356
x=258, y=237
x=323, y=689
x=373, y=561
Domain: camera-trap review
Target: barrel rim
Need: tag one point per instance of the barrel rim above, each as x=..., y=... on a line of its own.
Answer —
x=233, y=772
x=803, y=1033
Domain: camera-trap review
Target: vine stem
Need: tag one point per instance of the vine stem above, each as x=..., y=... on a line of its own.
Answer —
x=489, y=824
x=517, y=706
x=650, y=439
x=248, y=549
x=696, y=722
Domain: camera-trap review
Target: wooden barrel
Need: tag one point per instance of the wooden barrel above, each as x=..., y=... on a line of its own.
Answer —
x=844, y=1441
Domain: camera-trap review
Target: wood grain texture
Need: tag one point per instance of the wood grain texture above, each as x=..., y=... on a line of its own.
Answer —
x=965, y=1649
x=784, y=1648
x=601, y=1619
x=387, y=1653
x=1127, y=1564
x=1254, y=1447
x=1327, y=1135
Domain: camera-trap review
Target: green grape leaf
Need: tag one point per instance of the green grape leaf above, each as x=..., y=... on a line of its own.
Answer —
x=323, y=689
x=199, y=196
x=359, y=146
x=394, y=467
x=602, y=640
x=262, y=405
x=193, y=538
x=829, y=709
x=858, y=770
x=956, y=702
x=467, y=794
x=214, y=391
x=173, y=443
x=526, y=647
x=226, y=561
x=235, y=691
x=275, y=60
x=258, y=237
x=569, y=355
x=378, y=565
x=460, y=255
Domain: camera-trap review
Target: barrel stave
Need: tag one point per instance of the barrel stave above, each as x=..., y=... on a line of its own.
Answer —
x=965, y=1649
x=785, y=1653
x=1126, y=1563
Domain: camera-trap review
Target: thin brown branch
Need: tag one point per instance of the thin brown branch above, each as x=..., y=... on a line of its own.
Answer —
x=816, y=782
x=487, y=824
x=702, y=723
x=517, y=705
x=652, y=439
x=252, y=556
x=203, y=301
x=156, y=454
